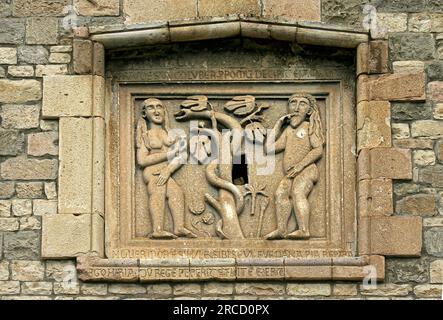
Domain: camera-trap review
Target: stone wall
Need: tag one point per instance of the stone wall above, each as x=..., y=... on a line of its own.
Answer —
x=36, y=40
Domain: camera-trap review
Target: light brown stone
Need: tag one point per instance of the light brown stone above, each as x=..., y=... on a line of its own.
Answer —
x=82, y=56
x=309, y=10
x=21, y=207
x=221, y=8
x=144, y=11
x=43, y=143
x=4, y=270
x=30, y=223
x=414, y=144
x=436, y=271
x=121, y=288
x=49, y=125
x=433, y=222
x=31, y=190
x=59, y=57
x=9, y=287
x=390, y=163
x=400, y=131
x=362, y=59
x=41, y=30
x=6, y=190
x=42, y=207
x=386, y=290
x=8, y=55
x=423, y=158
x=373, y=124
x=20, y=116
x=259, y=289
x=24, y=270
x=309, y=289
x=396, y=236
x=50, y=70
x=69, y=287
x=389, y=23
x=42, y=8
x=67, y=96
x=378, y=57
x=427, y=128
x=50, y=190
x=98, y=8
x=436, y=22
x=62, y=270
x=22, y=168
x=418, y=204
x=94, y=289
x=375, y=197
x=217, y=288
x=438, y=111
x=9, y=224
x=98, y=64
x=428, y=291
x=344, y=289
x=435, y=91
x=397, y=87
x=65, y=235
x=408, y=66
x=65, y=48
x=37, y=288
x=21, y=71
x=5, y=208
x=75, y=184
x=419, y=22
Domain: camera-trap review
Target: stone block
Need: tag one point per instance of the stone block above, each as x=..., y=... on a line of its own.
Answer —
x=11, y=143
x=428, y=291
x=24, y=270
x=439, y=150
x=434, y=241
x=30, y=223
x=397, y=87
x=9, y=287
x=389, y=23
x=418, y=204
x=50, y=190
x=410, y=66
x=94, y=289
x=43, y=143
x=65, y=96
x=98, y=63
x=21, y=71
x=423, y=158
x=413, y=144
x=22, y=168
x=160, y=290
x=29, y=190
x=66, y=235
x=6, y=190
x=20, y=116
x=427, y=128
x=375, y=197
x=436, y=271
x=396, y=236
x=411, y=111
x=75, y=185
x=82, y=56
x=344, y=289
x=13, y=31
x=309, y=289
x=59, y=57
x=130, y=288
x=259, y=289
x=42, y=8
x=19, y=91
x=373, y=124
x=5, y=208
x=411, y=46
x=207, y=8
x=433, y=222
x=300, y=10
x=435, y=91
x=37, y=288
x=33, y=54
x=50, y=70
x=41, y=30
x=218, y=288
x=24, y=245
x=144, y=11
x=438, y=111
x=64, y=48
x=4, y=270
x=8, y=55
x=403, y=270
x=98, y=7
x=386, y=290
x=419, y=22
x=42, y=207
x=21, y=207
x=432, y=175
x=434, y=70
x=400, y=131
x=378, y=57
x=9, y=224
x=389, y=163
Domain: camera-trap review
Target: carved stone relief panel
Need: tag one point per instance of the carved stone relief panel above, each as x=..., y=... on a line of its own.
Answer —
x=229, y=162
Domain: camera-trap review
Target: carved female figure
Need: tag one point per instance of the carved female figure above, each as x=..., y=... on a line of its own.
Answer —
x=159, y=156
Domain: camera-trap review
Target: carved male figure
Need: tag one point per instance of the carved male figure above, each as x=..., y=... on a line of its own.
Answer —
x=302, y=142
x=158, y=155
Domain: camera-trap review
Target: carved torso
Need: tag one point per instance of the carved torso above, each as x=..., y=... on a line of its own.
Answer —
x=298, y=145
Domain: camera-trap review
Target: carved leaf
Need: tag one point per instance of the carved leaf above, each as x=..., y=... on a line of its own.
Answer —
x=196, y=103
x=241, y=105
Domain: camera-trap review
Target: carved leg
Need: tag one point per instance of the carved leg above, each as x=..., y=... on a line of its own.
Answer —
x=176, y=202
x=283, y=207
x=157, y=198
x=302, y=187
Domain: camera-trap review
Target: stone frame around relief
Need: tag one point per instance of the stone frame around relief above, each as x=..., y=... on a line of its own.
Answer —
x=377, y=233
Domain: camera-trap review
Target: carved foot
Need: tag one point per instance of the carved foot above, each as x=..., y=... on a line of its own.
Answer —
x=274, y=235
x=162, y=235
x=298, y=234
x=183, y=232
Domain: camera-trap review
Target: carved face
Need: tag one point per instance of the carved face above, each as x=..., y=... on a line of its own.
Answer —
x=299, y=107
x=154, y=111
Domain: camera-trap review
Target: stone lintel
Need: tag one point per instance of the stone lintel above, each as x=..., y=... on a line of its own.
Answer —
x=92, y=268
x=215, y=28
